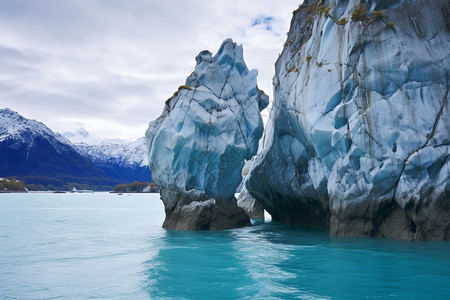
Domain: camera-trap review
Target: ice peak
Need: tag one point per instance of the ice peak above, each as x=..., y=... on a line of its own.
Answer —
x=231, y=54
x=225, y=70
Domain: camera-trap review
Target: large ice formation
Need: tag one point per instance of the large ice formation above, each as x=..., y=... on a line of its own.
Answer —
x=197, y=146
x=358, y=138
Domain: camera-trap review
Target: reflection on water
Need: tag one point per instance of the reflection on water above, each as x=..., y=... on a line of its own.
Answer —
x=272, y=261
x=195, y=265
x=66, y=246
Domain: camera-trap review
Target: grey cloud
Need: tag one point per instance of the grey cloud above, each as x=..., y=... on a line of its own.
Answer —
x=120, y=60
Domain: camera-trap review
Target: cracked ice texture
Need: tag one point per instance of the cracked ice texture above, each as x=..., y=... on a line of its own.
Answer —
x=358, y=137
x=209, y=126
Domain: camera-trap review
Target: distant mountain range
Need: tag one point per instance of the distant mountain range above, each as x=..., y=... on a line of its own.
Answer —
x=32, y=152
x=124, y=161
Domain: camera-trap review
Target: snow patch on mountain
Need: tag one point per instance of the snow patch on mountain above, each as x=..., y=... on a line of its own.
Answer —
x=109, y=151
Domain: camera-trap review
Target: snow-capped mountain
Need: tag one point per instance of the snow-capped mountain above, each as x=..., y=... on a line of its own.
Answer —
x=126, y=161
x=14, y=126
x=32, y=152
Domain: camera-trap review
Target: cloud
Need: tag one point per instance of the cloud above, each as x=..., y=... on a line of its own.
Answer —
x=109, y=65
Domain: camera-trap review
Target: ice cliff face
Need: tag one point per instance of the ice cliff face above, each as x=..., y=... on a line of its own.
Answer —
x=198, y=145
x=358, y=138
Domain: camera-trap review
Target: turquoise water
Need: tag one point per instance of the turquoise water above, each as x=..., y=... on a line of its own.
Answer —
x=106, y=246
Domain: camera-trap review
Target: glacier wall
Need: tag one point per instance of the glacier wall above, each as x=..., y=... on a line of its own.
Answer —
x=358, y=138
x=197, y=147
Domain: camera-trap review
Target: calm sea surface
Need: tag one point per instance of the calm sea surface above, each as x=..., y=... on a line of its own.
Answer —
x=106, y=246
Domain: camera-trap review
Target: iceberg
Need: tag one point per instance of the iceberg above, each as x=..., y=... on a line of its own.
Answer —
x=197, y=147
x=358, y=139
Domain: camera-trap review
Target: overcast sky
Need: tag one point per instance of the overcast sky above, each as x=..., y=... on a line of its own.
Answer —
x=109, y=65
